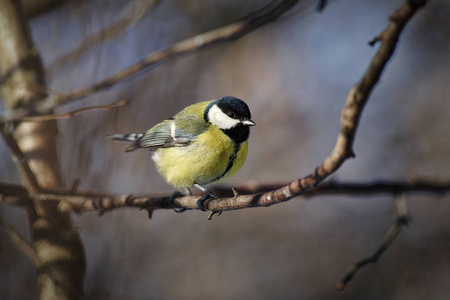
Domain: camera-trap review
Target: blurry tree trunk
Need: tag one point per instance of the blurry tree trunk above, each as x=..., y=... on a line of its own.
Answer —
x=56, y=242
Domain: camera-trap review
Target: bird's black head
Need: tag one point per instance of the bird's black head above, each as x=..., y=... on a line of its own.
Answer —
x=232, y=116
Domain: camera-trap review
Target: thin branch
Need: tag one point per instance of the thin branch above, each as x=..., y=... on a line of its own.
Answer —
x=21, y=161
x=321, y=5
x=393, y=231
x=334, y=188
x=191, y=45
x=132, y=13
x=72, y=113
x=86, y=201
x=21, y=244
x=33, y=8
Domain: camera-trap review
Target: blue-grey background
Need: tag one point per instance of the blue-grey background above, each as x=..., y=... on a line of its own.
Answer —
x=295, y=75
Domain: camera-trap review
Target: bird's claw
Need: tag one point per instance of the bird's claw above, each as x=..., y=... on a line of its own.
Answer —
x=172, y=198
x=201, y=201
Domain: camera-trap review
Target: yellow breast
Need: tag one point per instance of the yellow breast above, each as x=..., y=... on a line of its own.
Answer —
x=211, y=157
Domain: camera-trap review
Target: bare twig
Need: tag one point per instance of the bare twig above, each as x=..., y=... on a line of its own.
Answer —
x=132, y=13
x=72, y=113
x=345, y=188
x=21, y=161
x=21, y=244
x=191, y=45
x=32, y=8
x=321, y=5
x=393, y=231
x=87, y=201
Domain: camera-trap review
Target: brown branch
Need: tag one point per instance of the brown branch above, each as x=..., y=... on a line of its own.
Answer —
x=72, y=113
x=20, y=160
x=33, y=8
x=25, y=170
x=86, y=201
x=21, y=244
x=321, y=5
x=191, y=45
x=132, y=13
x=393, y=231
x=342, y=188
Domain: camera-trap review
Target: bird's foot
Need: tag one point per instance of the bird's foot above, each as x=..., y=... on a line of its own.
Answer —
x=206, y=196
x=201, y=201
x=172, y=198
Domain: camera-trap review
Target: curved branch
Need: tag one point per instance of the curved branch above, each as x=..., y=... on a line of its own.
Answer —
x=72, y=113
x=393, y=231
x=351, y=114
x=191, y=45
x=132, y=13
x=85, y=201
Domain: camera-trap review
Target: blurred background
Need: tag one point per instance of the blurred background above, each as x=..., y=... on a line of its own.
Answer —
x=295, y=75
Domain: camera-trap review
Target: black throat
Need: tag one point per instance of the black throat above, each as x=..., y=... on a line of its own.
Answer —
x=238, y=133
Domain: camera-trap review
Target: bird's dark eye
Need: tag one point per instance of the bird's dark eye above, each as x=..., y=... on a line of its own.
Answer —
x=231, y=114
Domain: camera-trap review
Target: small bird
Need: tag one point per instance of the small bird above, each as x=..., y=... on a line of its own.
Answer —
x=205, y=142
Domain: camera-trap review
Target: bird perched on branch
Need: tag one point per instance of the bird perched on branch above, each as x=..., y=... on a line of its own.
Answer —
x=205, y=142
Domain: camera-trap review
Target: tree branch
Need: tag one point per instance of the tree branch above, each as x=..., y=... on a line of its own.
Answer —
x=393, y=231
x=191, y=45
x=86, y=201
x=32, y=8
x=132, y=13
x=72, y=113
x=21, y=244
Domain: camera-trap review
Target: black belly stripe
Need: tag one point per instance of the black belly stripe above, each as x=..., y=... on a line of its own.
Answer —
x=232, y=159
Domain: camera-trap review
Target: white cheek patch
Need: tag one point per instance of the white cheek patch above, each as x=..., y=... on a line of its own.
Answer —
x=221, y=120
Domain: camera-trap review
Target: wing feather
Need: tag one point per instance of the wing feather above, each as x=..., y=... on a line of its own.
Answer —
x=178, y=132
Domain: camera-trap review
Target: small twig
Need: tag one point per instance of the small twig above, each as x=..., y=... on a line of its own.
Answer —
x=132, y=13
x=23, y=166
x=401, y=208
x=72, y=114
x=400, y=222
x=212, y=213
x=75, y=185
x=21, y=244
x=345, y=188
x=321, y=5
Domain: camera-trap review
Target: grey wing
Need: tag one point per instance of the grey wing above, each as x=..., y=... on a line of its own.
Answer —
x=169, y=133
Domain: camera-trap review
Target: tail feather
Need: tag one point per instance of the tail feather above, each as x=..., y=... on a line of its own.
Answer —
x=128, y=137
x=134, y=146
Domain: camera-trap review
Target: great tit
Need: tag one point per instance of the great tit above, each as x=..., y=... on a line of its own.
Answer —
x=205, y=142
